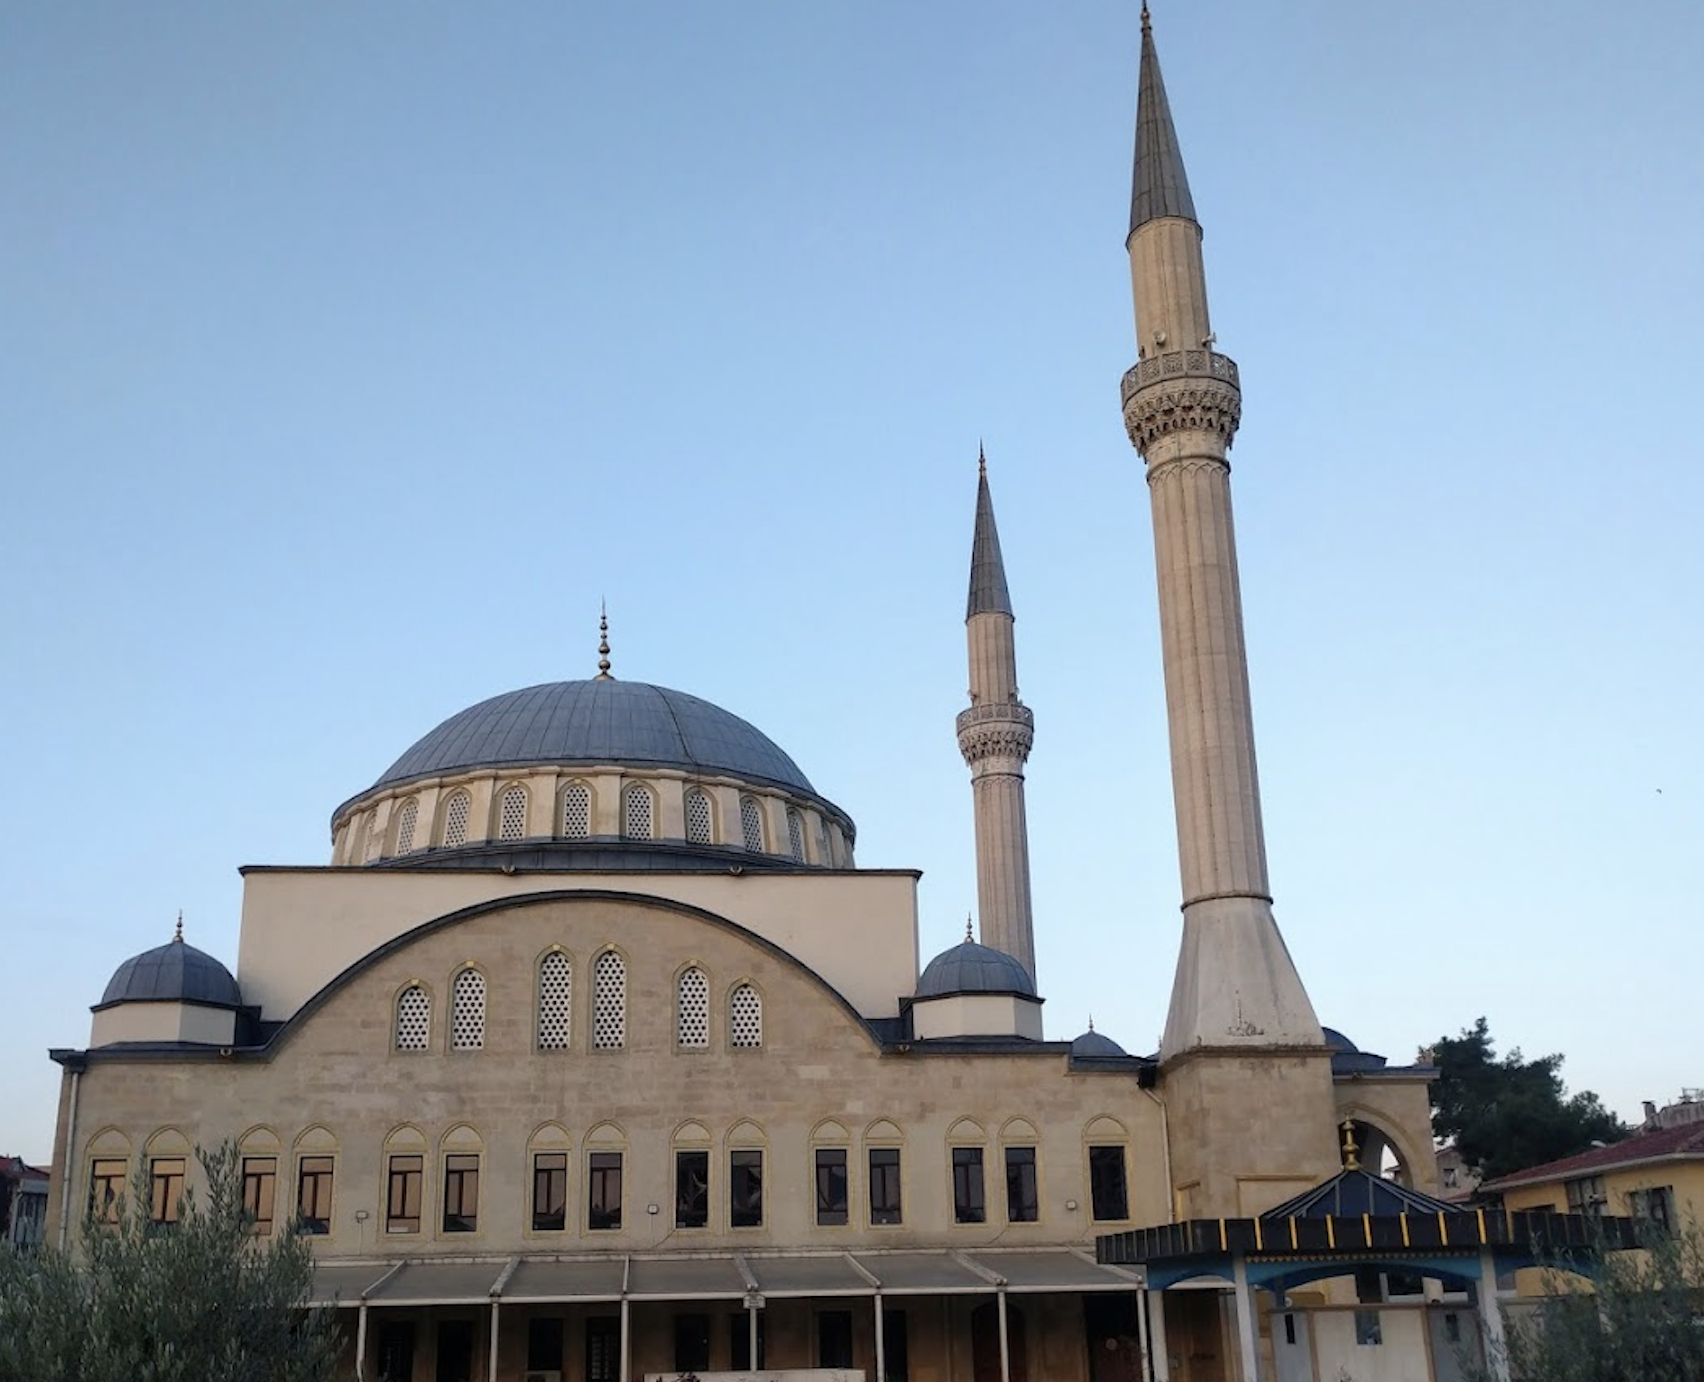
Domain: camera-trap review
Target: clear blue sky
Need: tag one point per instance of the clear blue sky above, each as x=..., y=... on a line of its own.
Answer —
x=350, y=353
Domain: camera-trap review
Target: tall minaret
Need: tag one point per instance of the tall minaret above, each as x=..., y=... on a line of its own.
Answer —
x=1236, y=987
x=995, y=736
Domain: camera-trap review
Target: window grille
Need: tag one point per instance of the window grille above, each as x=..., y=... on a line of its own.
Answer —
x=636, y=813
x=405, y=820
x=795, y=836
x=751, y=824
x=413, y=1019
x=555, y=999
x=467, y=1011
x=609, y=1002
x=693, y=1023
x=577, y=812
x=697, y=817
x=512, y=814
x=745, y=1017
x=455, y=820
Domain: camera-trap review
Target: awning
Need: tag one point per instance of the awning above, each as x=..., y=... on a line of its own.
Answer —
x=685, y=1278
x=828, y=1275
x=336, y=1284
x=440, y=1283
x=540, y=1279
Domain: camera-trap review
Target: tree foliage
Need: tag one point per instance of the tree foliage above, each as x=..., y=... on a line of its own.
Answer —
x=1508, y=1113
x=204, y=1300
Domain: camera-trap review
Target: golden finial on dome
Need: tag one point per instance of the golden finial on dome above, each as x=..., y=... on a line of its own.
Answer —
x=1351, y=1152
x=603, y=643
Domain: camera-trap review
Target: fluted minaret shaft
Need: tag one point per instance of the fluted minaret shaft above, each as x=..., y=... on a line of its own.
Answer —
x=995, y=735
x=1235, y=982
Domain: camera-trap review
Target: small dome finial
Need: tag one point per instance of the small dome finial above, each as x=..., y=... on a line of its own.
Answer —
x=603, y=643
x=969, y=935
x=1091, y=1022
x=1351, y=1151
x=981, y=460
x=178, y=934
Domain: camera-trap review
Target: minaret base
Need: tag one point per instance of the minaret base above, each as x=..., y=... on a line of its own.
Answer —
x=1235, y=984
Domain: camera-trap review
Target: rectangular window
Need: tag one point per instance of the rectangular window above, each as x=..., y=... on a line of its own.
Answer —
x=603, y=1191
x=402, y=1196
x=1654, y=1208
x=739, y=1342
x=106, y=1189
x=1022, y=1204
x=745, y=1189
x=260, y=1182
x=692, y=1343
x=896, y=1346
x=884, y=1192
x=834, y=1339
x=165, y=1189
x=1108, y=1195
x=461, y=1193
x=1368, y=1331
x=544, y=1343
x=1585, y=1196
x=692, y=1189
x=830, y=1186
x=550, y=1192
x=603, y=1348
x=313, y=1193
x=969, y=1205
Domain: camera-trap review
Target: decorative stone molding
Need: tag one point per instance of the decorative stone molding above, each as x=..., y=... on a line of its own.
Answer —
x=1183, y=390
x=995, y=731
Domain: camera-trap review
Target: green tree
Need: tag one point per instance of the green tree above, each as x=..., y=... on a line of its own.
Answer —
x=1508, y=1113
x=204, y=1300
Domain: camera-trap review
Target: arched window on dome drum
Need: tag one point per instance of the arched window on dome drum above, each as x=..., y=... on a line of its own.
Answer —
x=555, y=999
x=636, y=813
x=692, y=1009
x=576, y=811
x=405, y=821
x=795, y=836
x=609, y=1002
x=697, y=816
x=455, y=819
x=467, y=1011
x=512, y=813
x=745, y=1017
x=413, y=1019
x=751, y=824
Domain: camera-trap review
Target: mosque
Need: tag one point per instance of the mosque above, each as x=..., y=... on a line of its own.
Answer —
x=593, y=1054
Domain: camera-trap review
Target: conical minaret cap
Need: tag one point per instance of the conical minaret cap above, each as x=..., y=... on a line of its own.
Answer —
x=1159, y=186
x=988, y=594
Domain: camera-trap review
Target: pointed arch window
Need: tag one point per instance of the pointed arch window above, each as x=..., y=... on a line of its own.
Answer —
x=795, y=836
x=825, y=844
x=609, y=1002
x=636, y=812
x=467, y=1011
x=358, y=846
x=698, y=821
x=512, y=813
x=576, y=811
x=455, y=819
x=555, y=999
x=413, y=1019
x=405, y=822
x=692, y=1009
x=745, y=1017
x=751, y=824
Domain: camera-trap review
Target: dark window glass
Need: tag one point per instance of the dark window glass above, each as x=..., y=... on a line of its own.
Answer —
x=544, y=1344
x=603, y=1187
x=834, y=1339
x=396, y=1349
x=1022, y=1206
x=603, y=1348
x=550, y=1192
x=739, y=1342
x=692, y=1343
x=745, y=1189
x=895, y=1346
x=884, y=1187
x=692, y=1189
x=1107, y=1194
x=968, y=1203
x=165, y=1189
x=402, y=1199
x=831, y=1186
x=455, y=1351
x=313, y=1193
x=106, y=1189
x=260, y=1180
x=461, y=1193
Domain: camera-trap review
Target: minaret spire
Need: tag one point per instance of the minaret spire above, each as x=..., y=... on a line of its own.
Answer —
x=995, y=735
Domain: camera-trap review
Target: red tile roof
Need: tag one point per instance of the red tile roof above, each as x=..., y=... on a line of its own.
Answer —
x=1687, y=1140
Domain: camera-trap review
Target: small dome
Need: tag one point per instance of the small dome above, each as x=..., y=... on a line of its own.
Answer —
x=1092, y=1044
x=972, y=968
x=173, y=973
x=1337, y=1041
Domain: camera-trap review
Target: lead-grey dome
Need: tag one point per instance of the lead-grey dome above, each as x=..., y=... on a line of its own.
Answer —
x=972, y=968
x=175, y=972
x=599, y=721
x=1096, y=1045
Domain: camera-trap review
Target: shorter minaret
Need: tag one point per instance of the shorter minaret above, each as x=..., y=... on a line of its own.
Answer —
x=995, y=736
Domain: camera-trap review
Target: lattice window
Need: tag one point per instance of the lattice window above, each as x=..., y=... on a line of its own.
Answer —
x=693, y=1018
x=609, y=1002
x=636, y=813
x=745, y=1017
x=467, y=1011
x=576, y=812
x=512, y=813
x=795, y=836
x=751, y=824
x=825, y=843
x=455, y=819
x=555, y=1001
x=413, y=1019
x=405, y=821
x=697, y=816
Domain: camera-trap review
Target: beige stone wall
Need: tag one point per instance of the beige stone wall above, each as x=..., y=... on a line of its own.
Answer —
x=163, y=1022
x=976, y=1014
x=1400, y=1111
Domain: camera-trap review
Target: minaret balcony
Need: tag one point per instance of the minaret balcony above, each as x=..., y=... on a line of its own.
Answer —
x=1180, y=364
x=1187, y=391
x=996, y=731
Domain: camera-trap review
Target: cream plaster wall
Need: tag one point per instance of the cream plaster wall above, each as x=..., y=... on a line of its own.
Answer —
x=976, y=1014
x=163, y=1022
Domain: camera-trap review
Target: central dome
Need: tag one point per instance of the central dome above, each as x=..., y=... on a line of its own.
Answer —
x=596, y=722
